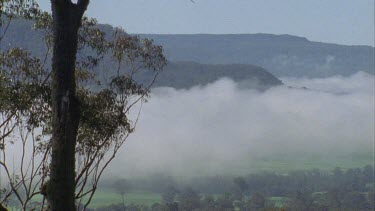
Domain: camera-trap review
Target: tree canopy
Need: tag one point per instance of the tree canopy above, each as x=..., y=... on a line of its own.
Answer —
x=107, y=116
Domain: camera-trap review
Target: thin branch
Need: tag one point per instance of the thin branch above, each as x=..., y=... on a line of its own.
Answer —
x=6, y=28
x=13, y=186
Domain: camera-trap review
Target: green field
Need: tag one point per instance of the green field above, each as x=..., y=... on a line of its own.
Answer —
x=277, y=163
x=287, y=163
x=105, y=198
x=108, y=197
x=278, y=201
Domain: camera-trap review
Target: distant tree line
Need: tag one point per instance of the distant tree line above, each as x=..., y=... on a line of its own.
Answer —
x=351, y=189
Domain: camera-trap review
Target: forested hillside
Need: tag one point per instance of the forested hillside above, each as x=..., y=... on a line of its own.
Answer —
x=176, y=74
x=282, y=55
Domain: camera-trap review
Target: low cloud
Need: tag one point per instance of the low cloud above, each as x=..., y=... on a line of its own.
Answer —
x=221, y=128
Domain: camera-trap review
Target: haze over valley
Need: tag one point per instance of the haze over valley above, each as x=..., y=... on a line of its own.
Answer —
x=223, y=118
x=236, y=104
x=221, y=128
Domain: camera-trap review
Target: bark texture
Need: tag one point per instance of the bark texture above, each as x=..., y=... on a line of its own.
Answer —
x=67, y=17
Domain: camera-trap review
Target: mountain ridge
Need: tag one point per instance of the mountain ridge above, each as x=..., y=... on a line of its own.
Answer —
x=282, y=55
x=178, y=74
x=301, y=38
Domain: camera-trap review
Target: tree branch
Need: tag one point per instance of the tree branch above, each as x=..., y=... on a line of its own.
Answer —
x=82, y=4
x=61, y=1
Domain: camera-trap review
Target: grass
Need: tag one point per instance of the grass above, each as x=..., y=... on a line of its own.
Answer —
x=285, y=163
x=282, y=163
x=108, y=197
x=105, y=198
x=278, y=201
x=277, y=163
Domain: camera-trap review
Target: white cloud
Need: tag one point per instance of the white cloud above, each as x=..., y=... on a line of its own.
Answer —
x=219, y=127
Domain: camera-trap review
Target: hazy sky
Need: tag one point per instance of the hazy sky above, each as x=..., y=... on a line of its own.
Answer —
x=337, y=21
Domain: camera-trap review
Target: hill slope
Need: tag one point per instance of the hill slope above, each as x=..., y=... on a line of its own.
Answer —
x=186, y=74
x=176, y=74
x=282, y=55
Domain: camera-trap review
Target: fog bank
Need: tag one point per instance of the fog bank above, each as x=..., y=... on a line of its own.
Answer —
x=220, y=128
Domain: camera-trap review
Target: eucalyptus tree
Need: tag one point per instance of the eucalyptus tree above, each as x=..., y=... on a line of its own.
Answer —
x=53, y=110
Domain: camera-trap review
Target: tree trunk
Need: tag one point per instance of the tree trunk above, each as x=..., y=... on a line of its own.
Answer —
x=65, y=108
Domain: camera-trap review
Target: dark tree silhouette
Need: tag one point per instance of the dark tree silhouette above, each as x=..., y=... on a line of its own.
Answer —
x=67, y=17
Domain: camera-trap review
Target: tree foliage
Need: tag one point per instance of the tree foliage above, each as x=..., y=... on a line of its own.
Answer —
x=108, y=115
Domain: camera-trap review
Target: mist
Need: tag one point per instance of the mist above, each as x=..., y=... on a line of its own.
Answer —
x=224, y=129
